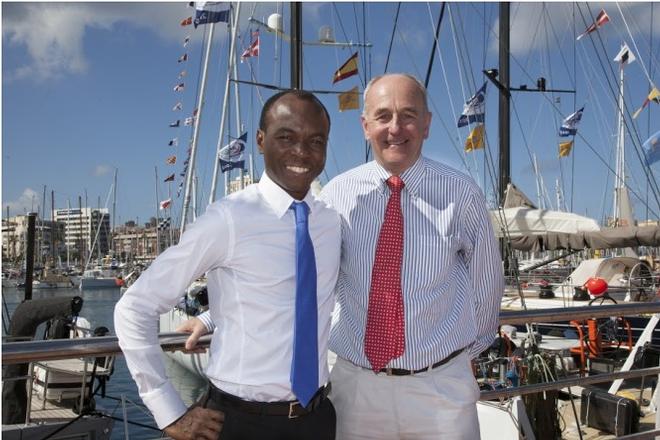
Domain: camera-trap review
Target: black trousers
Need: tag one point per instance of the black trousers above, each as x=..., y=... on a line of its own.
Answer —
x=319, y=424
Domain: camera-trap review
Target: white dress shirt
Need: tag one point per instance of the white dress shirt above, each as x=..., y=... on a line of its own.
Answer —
x=245, y=243
x=451, y=273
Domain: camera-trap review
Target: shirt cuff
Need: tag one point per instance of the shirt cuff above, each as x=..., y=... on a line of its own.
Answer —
x=207, y=321
x=165, y=404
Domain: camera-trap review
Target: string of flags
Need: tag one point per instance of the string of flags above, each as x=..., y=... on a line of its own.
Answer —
x=474, y=108
x=569, y=127
x=253, y=49
x=350, y=99
x=601, y=19
x=652, y=149
x=654, y=96
x=231, y=155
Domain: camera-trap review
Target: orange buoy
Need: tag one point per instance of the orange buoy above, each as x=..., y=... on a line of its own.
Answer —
x=596, y=286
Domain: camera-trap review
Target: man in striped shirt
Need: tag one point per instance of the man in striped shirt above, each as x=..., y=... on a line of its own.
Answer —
x=450, y=276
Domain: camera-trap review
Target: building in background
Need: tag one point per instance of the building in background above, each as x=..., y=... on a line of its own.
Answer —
x=86, y=231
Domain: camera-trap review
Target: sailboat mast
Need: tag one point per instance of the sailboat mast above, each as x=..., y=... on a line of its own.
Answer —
x=196, y=125
x=225, y=103
x=620, y=177
x=296, y=45
x=504, y=103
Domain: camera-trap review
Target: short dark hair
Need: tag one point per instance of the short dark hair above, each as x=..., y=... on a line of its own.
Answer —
x=300, y=94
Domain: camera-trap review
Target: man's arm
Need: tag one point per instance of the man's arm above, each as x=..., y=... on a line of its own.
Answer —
x=486, y=275
x=203, y=247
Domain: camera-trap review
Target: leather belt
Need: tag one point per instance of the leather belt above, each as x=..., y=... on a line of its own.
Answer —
x=291, y=409
x=404, y=372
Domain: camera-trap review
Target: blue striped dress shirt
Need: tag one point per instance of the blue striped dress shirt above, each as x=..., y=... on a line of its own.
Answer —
x=452, y=278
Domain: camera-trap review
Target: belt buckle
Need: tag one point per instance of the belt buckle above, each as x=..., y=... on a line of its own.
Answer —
x=292, y=405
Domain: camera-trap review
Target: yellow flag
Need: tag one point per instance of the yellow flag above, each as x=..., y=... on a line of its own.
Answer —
x=349, y=68
x=475, y=139
x=653, y=96
x=349, y=100
x=565, y=148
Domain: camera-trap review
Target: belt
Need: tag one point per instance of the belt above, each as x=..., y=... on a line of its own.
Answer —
x=291, y=409
x=404, y=372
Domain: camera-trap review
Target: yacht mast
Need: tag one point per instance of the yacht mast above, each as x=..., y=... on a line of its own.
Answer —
x=196, y=125
x=225, y=103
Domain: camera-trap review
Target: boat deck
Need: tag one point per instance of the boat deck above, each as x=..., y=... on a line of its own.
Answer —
x=53, y=411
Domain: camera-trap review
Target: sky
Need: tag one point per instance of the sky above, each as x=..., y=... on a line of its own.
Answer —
x=87, y=89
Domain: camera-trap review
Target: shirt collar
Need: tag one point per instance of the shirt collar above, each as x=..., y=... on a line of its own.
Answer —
x=278, y=199
x=412, y=177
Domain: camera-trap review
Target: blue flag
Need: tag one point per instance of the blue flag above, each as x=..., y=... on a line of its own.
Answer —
x=474, y=108
x=569, y=126
x=652, y=148
x=231, y=155
x=208, y=12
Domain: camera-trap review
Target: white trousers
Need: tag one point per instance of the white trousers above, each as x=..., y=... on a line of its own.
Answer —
x=436, y=405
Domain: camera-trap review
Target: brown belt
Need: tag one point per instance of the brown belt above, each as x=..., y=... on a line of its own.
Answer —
x=291, y=409
x=404, y=372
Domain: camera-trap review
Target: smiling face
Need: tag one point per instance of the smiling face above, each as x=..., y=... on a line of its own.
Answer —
x=293, y=142
x=395, y=121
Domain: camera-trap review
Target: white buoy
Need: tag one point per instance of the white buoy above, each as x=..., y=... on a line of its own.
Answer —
x=326, y=35
x=275, y=22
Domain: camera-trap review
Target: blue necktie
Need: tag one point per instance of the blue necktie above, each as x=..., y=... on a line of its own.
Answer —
x=304, y=365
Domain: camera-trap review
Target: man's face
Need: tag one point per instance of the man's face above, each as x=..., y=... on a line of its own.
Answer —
x=396, y=122
x=294, y=144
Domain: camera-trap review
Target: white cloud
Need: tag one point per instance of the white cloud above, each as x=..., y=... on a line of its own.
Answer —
x=28, y=201
x=102, y=170
x=53, y=33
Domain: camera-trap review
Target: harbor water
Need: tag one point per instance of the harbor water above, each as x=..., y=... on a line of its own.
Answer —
x=98, y=307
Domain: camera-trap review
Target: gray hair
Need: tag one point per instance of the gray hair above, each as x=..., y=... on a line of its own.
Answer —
x=414, y=79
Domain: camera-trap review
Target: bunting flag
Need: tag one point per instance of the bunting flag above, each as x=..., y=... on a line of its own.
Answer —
x=175, y=123
x=231, y=155
x=173, y=142
x=178, y=190
x=186, y=21
x=177, y=106
x=569, y=126
x=625, y=56
x=601, y=19
x=183, y=58
x=253, y=50
x=653, y=96
x=170, y=178
x=349, y=100
x=652, y=148
x=208, y=12
x=179, y=87
x=164, y=224
x=189, y=121
x=186, y=40
x=474, y=108
x=195, y=113
x=565, y=148
x=183, y=74
x=165, y=204
x=348, y=69
x=171, y=160
x=475, y=139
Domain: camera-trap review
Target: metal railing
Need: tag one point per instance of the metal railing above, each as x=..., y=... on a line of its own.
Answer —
x=23, y=352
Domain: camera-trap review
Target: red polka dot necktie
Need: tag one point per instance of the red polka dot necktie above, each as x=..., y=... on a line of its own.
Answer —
x=384, y=338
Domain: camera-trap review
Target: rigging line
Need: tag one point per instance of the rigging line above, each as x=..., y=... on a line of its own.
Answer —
x=357, y=28
x=437, y=112
x=648, y=77
x=467, y=70
x=647, y=170
x=389, y=48
x=558, y=42
x=435, y=44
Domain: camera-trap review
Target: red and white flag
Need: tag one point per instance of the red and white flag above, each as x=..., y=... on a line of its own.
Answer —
x=601, y=19
x=253, y=50
x=186, y=21
x=165, y=204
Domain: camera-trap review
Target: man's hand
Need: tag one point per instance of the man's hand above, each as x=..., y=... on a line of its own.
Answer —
x=197, y=423
x=197, y=329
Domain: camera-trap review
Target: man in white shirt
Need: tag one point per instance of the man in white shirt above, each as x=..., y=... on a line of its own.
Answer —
x=255, y=251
